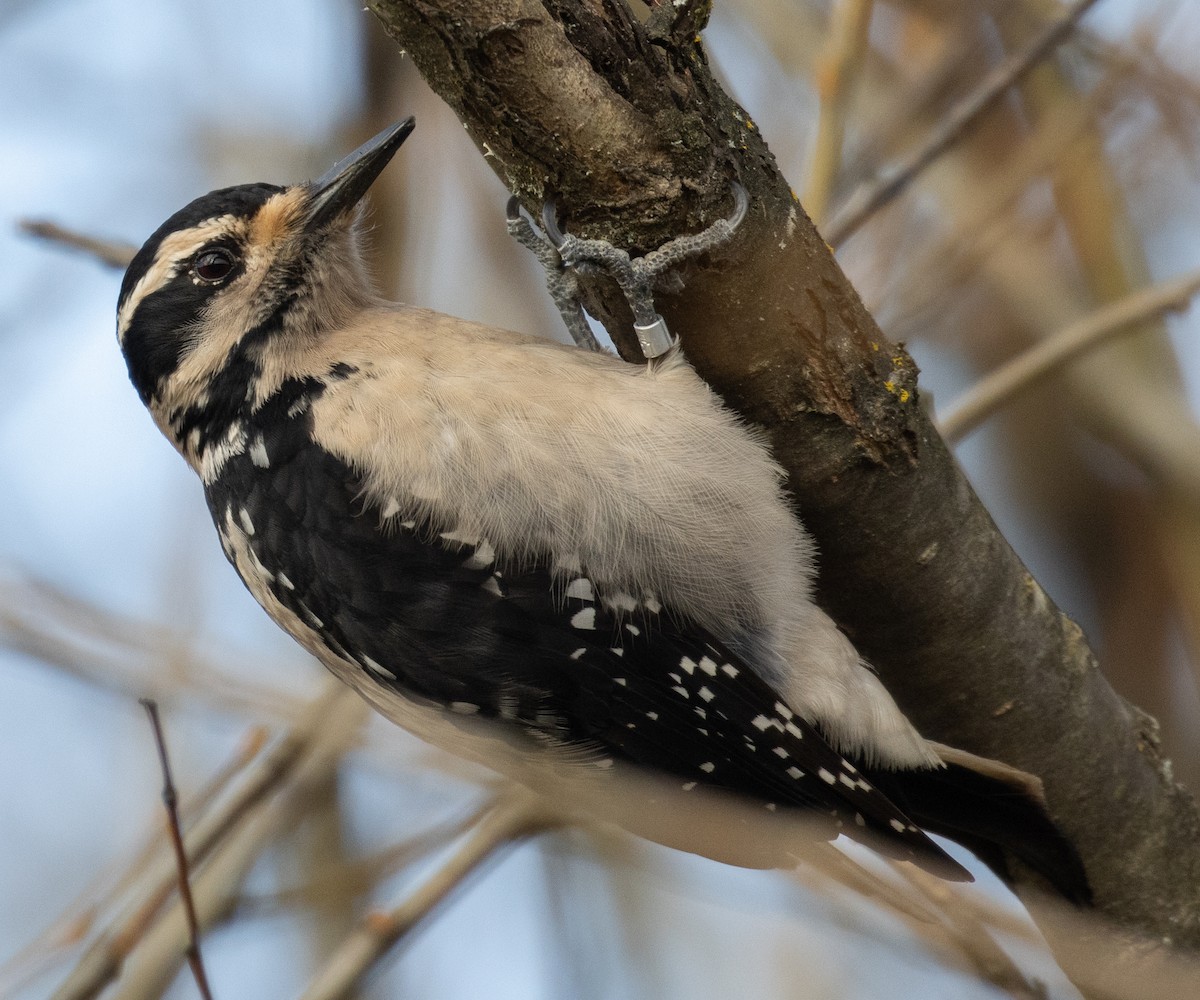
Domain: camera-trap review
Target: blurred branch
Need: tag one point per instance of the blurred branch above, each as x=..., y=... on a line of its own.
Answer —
x=836, y=74
x=1048, y=356
x=870, y=197
x=105, y=957
x=217, y=886
x=73, y=926
x=516, y=815
x=110, y=253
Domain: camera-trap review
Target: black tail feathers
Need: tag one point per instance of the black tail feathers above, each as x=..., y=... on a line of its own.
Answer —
x=993, y=811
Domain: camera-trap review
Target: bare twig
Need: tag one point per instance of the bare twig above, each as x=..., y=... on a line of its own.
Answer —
x=516, y=815
x=110, y=253
x=156, y=962
x=76, y=922
x=872, y=196
x=837, y=72
x=103, y=960
x=171, y=803
x=1049, y=355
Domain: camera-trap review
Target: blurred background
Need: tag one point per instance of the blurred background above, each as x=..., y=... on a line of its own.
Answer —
x=1076, y=189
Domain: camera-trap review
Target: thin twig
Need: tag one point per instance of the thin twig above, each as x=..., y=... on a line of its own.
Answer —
x=110, y=253
x=105, y=957
x=76, y=922
x=171, y=802
x=515, y=816
x=155, y=963
x=1049, y=355
x=873, y=195
x=837, y=72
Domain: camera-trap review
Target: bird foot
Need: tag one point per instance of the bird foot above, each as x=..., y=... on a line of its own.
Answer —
x=563, y=256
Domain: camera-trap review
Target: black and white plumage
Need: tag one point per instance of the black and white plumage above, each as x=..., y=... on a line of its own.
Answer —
x=497, y=538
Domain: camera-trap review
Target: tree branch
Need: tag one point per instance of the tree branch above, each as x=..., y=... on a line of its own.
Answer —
x=624, y=125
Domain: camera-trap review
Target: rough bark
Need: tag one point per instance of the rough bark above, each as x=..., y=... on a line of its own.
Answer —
x=621, y=122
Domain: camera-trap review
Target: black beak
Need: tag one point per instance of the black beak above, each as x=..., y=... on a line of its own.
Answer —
x=344, y=184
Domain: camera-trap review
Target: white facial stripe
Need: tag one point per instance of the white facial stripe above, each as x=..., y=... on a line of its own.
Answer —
x=173, y=252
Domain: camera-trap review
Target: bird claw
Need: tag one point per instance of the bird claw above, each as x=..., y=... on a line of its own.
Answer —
x=562, y=253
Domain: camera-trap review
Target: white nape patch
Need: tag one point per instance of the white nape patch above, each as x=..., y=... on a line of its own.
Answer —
x=492, y=586
x=247, y=524
x=463, y=707
x=579, y=652
x=483, y=556
x=795, y=773
x=390, y=509
x=708, y=665
x=211, y=461
x=826, y=777
x=584, y=619
x=376, y=668
x=729, y=669
x=581, y=589
x=708, y=767
x=258, y=452
x=284, y=581
x=706, y=694
x=688, y=665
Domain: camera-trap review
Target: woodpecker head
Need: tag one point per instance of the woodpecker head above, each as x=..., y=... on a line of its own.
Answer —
x=235, y=273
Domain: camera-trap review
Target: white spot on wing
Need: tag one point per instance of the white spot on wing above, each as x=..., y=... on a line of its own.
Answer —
x=581, y=589
x=584, y=619
x=247, y=524
x=375, y=667
x=483, y=556
x=258, y=452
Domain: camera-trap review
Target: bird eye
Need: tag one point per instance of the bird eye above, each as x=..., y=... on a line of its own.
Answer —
x=213, y=265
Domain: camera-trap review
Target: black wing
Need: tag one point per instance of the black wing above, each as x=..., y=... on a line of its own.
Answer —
x=438, y=620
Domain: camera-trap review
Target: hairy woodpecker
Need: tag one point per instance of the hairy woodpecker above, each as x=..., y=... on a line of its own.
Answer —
x=498, y=539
